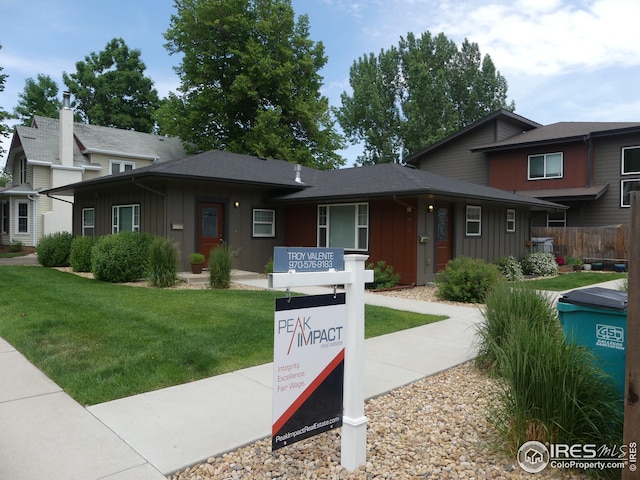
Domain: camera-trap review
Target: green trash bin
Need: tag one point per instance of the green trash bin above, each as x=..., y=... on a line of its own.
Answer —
x=596, y=317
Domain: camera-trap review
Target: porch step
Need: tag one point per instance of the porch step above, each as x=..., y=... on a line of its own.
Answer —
x=203, y=278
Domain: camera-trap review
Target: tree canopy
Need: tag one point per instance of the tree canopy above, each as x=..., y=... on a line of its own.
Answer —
x=4, y=129
x=412, y=95
x=110, y=89
x=249, y=82
x=38, y=98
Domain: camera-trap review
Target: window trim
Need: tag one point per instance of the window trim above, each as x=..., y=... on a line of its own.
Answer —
x=622, y=194
x=358, y=227
x=5, y=216
x=255, y=222
x=115, y=227
x=18, y=217
x=85, y=227
x=563, y=221
x=622, y=169
x=121, y=164
x=545, y=176
x=511, y=212
x=472, y=221
x=22, y=170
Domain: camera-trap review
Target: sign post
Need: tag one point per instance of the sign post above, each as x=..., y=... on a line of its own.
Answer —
x=354, y=277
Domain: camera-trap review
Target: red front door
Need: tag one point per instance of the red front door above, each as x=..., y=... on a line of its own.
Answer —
x=210, y=227
x=444, y=235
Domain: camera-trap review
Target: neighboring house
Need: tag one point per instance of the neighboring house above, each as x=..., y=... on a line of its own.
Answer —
x=55, y=152
x=414, y=220
x=588, y=166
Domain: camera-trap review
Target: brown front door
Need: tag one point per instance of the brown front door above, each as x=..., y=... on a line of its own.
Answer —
x=210, y=227
x=444, y=235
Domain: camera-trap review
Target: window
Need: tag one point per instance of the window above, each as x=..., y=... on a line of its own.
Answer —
x=264, y=223
x=557, y=219
x=22, y=217
x=511, y=220
x=125, y=218
x=626, y=186
x=5, y=217
x=474, y=221
x=630, y=160
x=119, y=166
x=548, y=165
x=88, y=221
x=22, y=172
x=344, y=226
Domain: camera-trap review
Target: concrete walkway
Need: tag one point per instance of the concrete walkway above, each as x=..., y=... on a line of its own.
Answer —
x=46, y=434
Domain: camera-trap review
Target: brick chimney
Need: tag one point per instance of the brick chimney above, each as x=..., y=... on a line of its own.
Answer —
x=66, y=131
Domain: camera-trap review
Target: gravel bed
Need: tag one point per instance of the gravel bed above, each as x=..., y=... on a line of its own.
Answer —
x=433, y=428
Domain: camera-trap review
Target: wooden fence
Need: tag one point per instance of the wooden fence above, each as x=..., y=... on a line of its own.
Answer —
x=609, y=242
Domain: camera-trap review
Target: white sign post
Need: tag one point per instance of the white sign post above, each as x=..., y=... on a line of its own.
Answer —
x=354, y=277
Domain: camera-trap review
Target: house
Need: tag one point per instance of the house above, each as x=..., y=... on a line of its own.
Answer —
x=54, y=152
x=412, y=219
x=588, y=166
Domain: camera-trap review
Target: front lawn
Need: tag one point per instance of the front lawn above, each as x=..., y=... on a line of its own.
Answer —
x=101, y=341
x=573, y=280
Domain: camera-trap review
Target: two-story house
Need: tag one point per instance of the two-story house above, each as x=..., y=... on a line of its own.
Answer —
x=54, y=152
x=588, y=166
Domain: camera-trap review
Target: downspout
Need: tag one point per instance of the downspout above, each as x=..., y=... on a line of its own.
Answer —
x=34, y=199
x=164, y=196
x=59, y=199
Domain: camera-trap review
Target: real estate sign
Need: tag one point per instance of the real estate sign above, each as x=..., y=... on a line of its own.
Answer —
x=308, y=367
x=307, y=259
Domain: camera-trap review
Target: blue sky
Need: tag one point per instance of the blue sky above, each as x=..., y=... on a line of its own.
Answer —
x=564, y=60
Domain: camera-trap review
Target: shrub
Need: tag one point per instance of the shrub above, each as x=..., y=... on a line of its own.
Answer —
x=16, y=246
x=163, y=263
x=121, y=257
x=510, y=269
x=540, y=264
x=268, y=268
x=80, y=256
x=196, y=258
x=383, y=276
x=54, y=249
x=466, y=280
x=220, y=264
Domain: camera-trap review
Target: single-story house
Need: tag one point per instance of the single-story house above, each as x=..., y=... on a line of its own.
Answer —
x=414, y=220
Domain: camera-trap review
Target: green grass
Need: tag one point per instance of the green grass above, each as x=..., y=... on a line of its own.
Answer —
x=572, y=280
x=101, y=341
x=12, y=254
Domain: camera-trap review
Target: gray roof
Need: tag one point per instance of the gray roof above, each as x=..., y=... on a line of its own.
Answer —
x=333, y=185
x=560, y=132
x=40, y=142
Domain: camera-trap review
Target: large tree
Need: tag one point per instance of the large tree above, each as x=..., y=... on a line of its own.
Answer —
x=38, y=98
x=4, y=129
x=417, y=93
x=249, y=82
x=110, y=89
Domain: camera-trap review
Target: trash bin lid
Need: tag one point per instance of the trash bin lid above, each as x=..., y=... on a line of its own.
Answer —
x=597, y=297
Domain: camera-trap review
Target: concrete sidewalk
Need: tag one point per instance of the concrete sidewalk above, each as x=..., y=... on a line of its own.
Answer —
x=46, y=434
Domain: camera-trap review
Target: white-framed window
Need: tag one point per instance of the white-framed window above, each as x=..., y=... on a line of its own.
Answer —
x=125, y=218
x=22, y=216
x=630, y=161
x=511, y=220
x=22, y=172
x=264, y=222
x=625, y=190
x=88, y=221
x=344, y=226
x=547, y=165
x=473, y=221
x=5, y=217
x=119, y=166
x=557, y=219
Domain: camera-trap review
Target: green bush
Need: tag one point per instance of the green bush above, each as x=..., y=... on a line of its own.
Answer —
x=550, y=391
x=540, y=264
x=510, y=268
x=383, y=276
x=466, y=280
x=54, y=249
x=268, y=268
x=16, y=246
x=121, y=257
x=220, y=264
x=163, y=263
x=80, y=256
